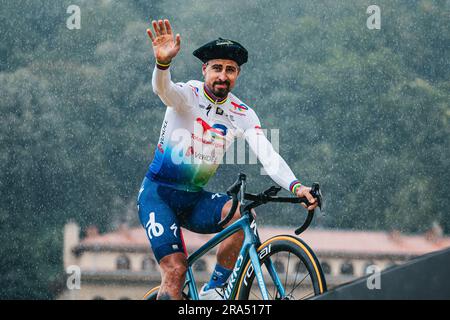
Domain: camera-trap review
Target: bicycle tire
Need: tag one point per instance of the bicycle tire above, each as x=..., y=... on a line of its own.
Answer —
x=151, y=294
x=294, y=247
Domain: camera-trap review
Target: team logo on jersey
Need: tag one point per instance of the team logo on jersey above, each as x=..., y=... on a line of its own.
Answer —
x=239, y=108
x=219, y=111
x=216, y=130
x=209, y=107
x=195, y=90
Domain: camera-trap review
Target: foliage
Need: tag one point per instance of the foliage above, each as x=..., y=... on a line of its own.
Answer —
x=364, y=112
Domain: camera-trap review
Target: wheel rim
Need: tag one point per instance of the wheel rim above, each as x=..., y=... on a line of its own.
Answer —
x=294, y=277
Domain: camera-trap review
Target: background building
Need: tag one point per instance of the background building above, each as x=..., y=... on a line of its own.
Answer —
x=120, y=264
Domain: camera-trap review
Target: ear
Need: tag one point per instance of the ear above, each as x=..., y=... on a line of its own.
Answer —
x=204, y=69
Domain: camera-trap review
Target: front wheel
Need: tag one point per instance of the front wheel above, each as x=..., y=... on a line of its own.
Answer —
x=151, y=294
x=299, y=272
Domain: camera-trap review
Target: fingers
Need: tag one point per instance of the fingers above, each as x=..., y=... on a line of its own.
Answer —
x=156, y=28
x=162, y=27
x=168, y=26
x=312, y=207
x=149, y=32
x=309, y=196
x=178, y=41
x=305, y=192
x=312, y=201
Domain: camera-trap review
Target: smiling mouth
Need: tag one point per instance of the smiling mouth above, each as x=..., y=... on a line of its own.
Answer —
x=221, y=85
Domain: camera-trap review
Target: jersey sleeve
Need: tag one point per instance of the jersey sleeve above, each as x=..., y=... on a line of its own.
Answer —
x=273, y=163
x=180, y=96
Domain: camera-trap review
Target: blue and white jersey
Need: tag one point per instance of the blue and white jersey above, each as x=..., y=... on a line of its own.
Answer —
x=198, y=129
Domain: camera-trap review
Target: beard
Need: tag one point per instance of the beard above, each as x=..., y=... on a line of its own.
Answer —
x=221, y=92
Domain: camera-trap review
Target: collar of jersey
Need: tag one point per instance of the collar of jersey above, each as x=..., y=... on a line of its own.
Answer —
x=211, y=97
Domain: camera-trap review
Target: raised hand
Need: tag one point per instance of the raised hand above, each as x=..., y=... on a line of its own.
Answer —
x=165, y=48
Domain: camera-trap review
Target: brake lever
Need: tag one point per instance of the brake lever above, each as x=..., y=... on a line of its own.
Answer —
x=316, y=193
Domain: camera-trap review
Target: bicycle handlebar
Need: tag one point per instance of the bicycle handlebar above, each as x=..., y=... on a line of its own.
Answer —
x=233, y=191
x=238, y=187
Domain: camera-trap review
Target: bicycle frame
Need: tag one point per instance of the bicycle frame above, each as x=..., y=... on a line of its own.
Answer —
x=248, y=250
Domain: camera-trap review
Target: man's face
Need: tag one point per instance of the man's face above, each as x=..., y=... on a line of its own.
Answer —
x=220, y=76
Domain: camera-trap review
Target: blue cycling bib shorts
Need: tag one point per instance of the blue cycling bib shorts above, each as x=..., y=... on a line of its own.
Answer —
x=163, y=210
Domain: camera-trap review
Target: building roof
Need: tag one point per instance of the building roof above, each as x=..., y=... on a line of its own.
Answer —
x=321, y=240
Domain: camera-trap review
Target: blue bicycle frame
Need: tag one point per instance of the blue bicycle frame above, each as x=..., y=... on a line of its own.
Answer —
x=249, y=249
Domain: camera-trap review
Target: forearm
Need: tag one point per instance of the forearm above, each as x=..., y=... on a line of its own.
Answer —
x=170, y=94
x=274, y=165
x=279, y=171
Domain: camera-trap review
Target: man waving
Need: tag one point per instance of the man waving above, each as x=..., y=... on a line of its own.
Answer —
x=201, y=121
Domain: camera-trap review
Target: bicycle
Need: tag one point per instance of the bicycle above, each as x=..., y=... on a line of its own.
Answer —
x=254, y=254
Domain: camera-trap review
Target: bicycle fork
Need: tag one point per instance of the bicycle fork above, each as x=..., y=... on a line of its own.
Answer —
x=258, y=272
x=257, y=268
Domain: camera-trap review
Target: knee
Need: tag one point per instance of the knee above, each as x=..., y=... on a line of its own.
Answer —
x=226, y=209
x=174, y=266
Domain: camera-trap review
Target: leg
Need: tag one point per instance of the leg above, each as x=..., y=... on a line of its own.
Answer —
x=209, y=210
x=162, y=229
x=173, y=273
x=228, y=250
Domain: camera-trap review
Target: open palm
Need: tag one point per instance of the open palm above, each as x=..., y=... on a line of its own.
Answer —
x=165, y=48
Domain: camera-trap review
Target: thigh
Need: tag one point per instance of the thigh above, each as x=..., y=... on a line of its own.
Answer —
x=206, y=214
x=159, y=221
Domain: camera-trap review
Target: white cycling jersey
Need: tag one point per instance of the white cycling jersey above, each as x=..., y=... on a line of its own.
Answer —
x=197, y=130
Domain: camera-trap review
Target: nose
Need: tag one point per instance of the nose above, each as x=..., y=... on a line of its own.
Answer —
x=223, y=76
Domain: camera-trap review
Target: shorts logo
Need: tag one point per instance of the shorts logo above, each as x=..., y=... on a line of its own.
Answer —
x=140, y=192
x=154, y=229
x=218, y=195
x=174, y=228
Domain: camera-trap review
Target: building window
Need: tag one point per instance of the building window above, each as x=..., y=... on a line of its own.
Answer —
x=347, y=268
x=326, y=267
x=148, y=264
x=123, y=263
x=200, y=265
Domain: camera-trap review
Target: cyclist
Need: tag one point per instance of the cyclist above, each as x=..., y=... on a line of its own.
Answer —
x=201, y=121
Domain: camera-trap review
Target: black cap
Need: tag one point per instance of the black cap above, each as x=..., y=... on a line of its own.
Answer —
x=222, y=49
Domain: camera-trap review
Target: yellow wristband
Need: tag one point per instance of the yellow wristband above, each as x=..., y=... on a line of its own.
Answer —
x=162, y=64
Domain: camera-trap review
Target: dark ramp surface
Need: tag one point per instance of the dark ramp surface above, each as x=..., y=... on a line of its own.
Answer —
x=425, y=277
